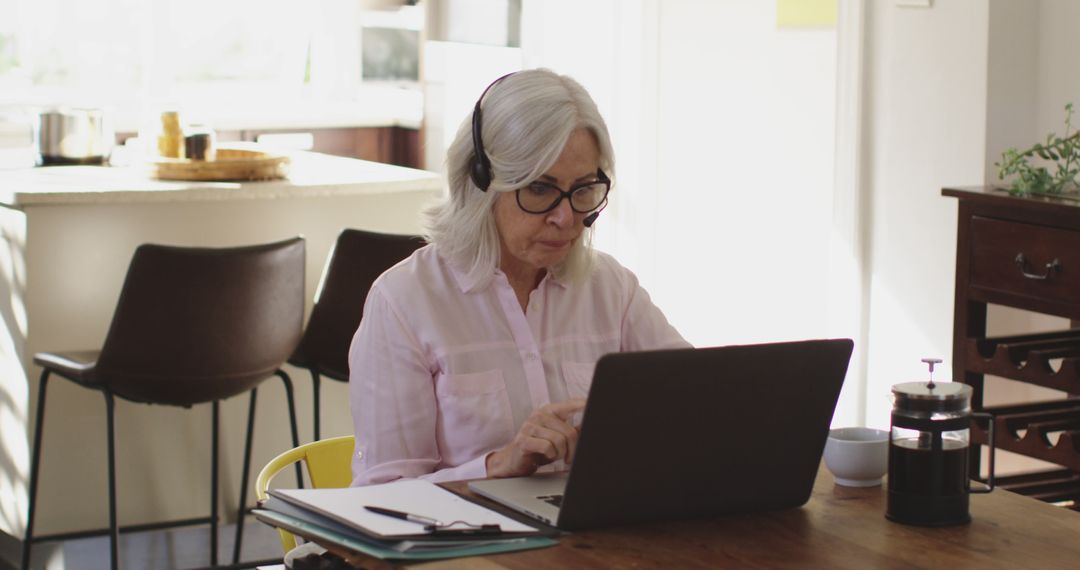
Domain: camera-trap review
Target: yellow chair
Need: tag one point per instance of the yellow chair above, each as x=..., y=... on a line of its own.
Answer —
x=329, y=466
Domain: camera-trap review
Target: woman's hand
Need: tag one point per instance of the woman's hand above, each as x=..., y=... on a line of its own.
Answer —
x=546, y=436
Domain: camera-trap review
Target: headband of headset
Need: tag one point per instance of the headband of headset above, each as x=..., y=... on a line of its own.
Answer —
x=480, y=168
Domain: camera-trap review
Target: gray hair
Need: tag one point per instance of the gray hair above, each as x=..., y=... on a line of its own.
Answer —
x=527, y=118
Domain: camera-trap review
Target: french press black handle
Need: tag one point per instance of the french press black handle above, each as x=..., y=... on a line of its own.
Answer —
x=990, y=478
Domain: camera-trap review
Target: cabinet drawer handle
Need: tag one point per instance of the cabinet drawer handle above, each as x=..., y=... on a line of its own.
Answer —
x=1051, y=268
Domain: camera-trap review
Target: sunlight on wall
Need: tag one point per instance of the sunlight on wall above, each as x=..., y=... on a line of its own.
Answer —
x=927, y=99
x=844, y=308
x=723, y=133
x=893, y=363
x=14, y=391
x=13, y=478
x=745, y=154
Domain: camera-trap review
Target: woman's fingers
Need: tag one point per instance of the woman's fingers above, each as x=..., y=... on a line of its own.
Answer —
x=542, y=448
x=546, y=436
x=567, y=434
x=541, y=444
x=552, y=423
x=566, y=410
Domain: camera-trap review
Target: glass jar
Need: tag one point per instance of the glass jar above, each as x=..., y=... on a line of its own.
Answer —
x=929, y=447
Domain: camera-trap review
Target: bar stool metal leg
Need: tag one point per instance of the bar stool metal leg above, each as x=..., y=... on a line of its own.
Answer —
x=35, y=466
x=315, y=397
x=241, y=512
x=114, y=529
x=214, y=485
x=292, y=421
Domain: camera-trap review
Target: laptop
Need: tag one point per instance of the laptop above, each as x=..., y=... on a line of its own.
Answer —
x=691, y=433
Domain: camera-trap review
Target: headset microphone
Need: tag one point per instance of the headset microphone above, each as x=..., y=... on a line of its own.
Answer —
x=591, y=218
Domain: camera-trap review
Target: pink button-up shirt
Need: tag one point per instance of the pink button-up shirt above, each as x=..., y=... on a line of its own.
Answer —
x=444, y=371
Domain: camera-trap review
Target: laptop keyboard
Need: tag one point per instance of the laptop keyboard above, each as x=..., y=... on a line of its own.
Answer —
x=552, y=499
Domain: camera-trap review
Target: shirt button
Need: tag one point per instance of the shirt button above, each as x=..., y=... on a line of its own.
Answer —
x=531, y=356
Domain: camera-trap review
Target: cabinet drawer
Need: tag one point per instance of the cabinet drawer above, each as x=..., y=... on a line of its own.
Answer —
x=1025, y=259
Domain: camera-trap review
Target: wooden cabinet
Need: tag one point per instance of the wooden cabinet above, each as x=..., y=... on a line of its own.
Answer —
x=392, y=145
x=1022, y=252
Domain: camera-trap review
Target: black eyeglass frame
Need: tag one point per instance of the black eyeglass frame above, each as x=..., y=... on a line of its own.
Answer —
x=601, y=178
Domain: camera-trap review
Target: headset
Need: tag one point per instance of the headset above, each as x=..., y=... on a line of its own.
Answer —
x=480, y=166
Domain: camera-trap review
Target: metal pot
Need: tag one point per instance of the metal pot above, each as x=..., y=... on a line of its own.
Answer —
x=73, y=136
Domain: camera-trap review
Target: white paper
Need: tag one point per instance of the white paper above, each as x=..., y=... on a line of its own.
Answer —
x=412, y=496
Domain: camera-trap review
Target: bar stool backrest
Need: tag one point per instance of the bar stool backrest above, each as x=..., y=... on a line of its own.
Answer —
x=358, y=259
x=195, y=324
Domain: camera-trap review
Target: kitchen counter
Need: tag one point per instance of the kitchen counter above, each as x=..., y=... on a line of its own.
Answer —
x=311, y=175
x=68, y=235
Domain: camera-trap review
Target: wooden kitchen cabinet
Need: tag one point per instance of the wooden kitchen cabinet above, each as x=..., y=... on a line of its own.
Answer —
x=1022, y=252
x=391, y=145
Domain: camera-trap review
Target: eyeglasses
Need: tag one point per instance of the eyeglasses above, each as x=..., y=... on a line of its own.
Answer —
x=542, y=197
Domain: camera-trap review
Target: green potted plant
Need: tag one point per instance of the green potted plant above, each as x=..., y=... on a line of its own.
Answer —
x=1055, y=174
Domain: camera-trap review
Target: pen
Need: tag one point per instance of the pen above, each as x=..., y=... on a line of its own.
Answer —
x=402, y=515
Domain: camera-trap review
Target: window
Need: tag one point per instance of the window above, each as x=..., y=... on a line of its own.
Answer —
x=390, y=54
x=130, y=52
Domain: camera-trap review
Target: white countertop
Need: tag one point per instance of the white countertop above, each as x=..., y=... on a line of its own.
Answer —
x=310, y=175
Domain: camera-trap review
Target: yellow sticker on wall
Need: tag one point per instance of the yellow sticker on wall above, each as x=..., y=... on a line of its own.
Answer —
x=805, y=13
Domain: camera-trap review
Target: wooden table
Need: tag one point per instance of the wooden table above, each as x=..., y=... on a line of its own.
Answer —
x=839, y=527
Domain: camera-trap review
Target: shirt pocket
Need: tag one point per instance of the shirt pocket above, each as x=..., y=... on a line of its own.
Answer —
x=578, y=377
x=474, y=412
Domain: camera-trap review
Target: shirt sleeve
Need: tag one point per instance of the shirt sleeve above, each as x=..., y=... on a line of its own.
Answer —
x=644, y=326
x=392, y=398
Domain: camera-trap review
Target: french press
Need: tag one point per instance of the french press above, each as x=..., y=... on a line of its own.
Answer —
x=929, y=450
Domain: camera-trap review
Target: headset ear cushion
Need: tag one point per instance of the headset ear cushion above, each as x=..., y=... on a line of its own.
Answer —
x=481, y=174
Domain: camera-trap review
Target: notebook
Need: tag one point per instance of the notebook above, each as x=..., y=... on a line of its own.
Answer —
x=345, y=508
x=691, y=433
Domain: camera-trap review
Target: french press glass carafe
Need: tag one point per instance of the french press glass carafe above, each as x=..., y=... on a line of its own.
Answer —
x=928, y=452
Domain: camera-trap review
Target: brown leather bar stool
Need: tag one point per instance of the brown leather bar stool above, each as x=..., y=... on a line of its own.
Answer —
x=359, y=257
x=192, y=325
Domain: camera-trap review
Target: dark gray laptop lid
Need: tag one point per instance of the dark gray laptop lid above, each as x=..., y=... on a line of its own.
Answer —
x=694, y=433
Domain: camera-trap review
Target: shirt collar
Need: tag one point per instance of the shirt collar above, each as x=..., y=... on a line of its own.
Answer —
x=469, y=284
x=464, y=282
x=556, y=280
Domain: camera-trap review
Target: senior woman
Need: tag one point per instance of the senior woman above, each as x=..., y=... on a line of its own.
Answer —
x=475, y=354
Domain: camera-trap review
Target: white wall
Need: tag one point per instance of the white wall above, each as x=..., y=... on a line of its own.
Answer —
x=926, y=128
x=1058, y=81
x=723, y=127
x=1012, y=78
x=745, y=160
